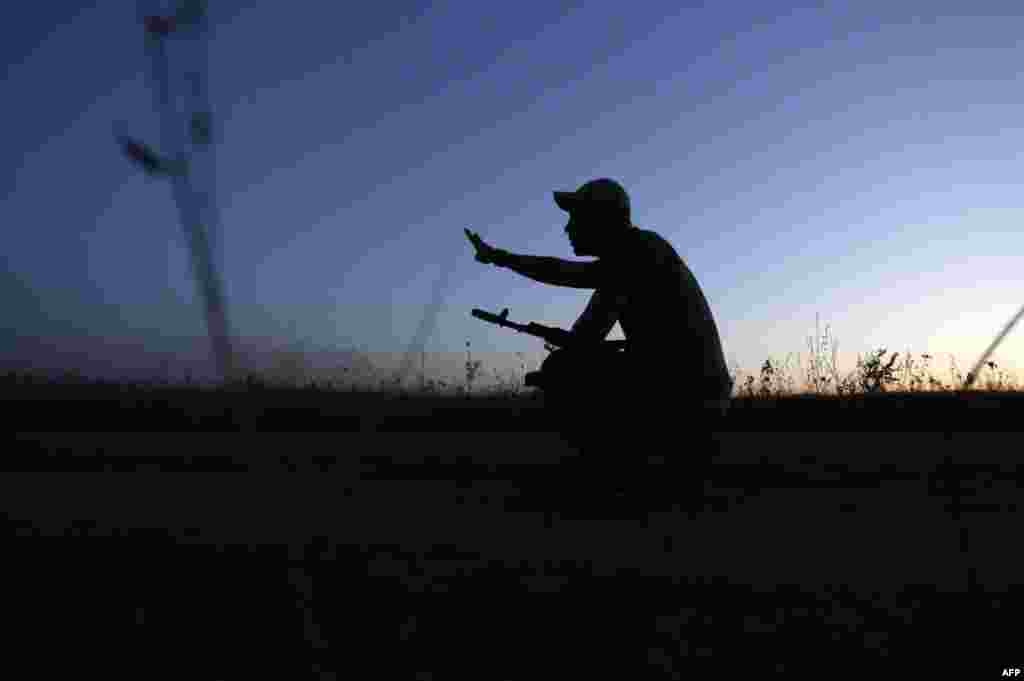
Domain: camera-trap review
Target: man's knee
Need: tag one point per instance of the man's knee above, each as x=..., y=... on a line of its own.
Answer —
x=577, y=370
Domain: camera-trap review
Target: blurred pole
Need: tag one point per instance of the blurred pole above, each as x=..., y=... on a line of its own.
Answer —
x=426, y=327
x=973, y=374
x=209, y=284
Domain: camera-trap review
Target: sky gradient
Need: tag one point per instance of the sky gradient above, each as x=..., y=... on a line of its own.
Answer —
x=858, y=162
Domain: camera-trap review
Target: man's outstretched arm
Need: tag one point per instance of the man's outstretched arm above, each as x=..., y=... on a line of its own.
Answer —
x=552, y=271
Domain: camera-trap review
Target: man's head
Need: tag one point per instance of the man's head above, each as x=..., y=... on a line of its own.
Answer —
x=598, y=211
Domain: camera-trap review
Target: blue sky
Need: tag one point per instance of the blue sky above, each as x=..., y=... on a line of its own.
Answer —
x=858, y=162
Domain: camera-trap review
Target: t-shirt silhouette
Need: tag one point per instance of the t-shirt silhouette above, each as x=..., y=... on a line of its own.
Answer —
x=645, y=286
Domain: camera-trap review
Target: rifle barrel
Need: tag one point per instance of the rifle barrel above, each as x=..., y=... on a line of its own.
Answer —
x=490, y=317
x=535, y=329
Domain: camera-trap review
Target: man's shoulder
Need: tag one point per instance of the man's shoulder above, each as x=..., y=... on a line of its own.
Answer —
x=649, y=241
x=647, y=236
x=641, y=249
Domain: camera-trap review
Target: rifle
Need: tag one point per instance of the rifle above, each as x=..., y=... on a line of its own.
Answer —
x=550, y=334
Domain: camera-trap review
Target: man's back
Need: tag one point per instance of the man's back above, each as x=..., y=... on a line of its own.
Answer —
x=664, y=314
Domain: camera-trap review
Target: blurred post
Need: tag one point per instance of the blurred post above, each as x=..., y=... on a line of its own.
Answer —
x=973, y=374
x=195, y=209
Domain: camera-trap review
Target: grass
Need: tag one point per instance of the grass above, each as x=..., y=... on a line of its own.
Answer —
x=821, y=377
x=873, y=374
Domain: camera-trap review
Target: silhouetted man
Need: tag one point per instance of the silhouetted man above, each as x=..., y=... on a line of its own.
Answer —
x=660, y=396
x=673, y=349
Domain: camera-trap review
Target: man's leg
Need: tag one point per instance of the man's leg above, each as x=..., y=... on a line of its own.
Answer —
x=583, y=392
x=574, y=380
x=672, y=434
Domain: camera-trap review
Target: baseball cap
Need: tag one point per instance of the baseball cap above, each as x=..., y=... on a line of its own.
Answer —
x=603, y=192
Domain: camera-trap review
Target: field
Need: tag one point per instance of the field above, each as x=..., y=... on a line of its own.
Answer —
x=314, y=529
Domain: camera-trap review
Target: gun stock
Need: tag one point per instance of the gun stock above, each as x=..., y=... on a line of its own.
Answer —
x=551, y=335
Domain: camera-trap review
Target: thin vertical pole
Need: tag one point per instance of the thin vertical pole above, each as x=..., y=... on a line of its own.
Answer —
x=973, y=374
x=208, y=279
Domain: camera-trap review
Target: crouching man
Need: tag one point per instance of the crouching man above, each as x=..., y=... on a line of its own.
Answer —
x=663, y=393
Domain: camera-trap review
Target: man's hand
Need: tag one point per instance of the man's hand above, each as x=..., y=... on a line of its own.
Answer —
x=484, y=253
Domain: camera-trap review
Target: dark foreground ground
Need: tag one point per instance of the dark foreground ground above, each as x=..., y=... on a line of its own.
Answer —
x=419, y=544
